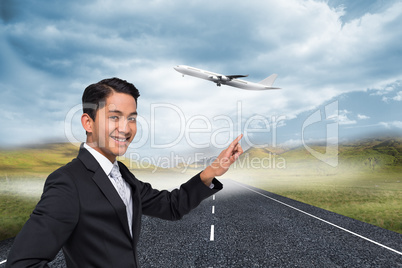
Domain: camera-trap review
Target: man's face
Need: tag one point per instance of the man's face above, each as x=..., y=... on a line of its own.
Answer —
x=115, y=125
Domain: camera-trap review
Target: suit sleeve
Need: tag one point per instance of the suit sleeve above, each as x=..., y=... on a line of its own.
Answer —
x=49, y=226
x=175, y=204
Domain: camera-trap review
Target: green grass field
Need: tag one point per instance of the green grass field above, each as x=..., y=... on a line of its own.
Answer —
x=366, y=185
x=22, y=175
x=15, y=211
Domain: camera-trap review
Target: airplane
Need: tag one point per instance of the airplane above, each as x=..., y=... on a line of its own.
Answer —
x=230, y=80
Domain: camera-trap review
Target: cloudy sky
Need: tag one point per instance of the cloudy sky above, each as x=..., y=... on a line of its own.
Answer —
x=345, y=55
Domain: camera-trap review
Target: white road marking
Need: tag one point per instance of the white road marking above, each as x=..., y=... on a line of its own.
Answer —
x=1, y=262
x=211, y=238
x=330, y=223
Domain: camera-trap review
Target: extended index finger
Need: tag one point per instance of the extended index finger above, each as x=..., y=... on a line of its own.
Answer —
x=233, y=144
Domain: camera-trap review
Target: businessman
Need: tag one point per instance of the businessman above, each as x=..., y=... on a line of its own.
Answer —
x=92, y=207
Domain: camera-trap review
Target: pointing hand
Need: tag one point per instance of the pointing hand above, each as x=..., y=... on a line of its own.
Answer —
x=222, y=163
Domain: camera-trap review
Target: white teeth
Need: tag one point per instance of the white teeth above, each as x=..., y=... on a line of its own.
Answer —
x=117, y=139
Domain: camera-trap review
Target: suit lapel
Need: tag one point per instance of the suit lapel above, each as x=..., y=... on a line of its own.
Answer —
x=111, y=194
x=104, y=184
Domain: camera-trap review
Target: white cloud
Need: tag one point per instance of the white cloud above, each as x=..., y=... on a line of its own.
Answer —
x=393, y=124
x=386, y=89
x=398, y=96
x=362, y=117
x=343, y=118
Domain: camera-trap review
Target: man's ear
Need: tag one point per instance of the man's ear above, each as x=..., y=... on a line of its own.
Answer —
x=87, y=122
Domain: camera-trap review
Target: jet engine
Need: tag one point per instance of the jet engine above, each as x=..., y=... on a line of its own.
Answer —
x=219, y=79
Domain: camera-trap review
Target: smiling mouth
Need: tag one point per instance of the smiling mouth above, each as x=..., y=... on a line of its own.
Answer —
x=120, y=140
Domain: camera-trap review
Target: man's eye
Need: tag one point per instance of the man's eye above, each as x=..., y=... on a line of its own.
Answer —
x=132, y=119
x=114, y=117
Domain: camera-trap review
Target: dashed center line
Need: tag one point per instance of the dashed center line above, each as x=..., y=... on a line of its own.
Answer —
x=1, y=262
x=212, y=236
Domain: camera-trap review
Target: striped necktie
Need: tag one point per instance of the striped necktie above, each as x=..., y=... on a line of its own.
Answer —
x=120, y=185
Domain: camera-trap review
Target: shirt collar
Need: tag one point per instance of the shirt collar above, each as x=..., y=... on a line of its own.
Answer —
x=105, y=163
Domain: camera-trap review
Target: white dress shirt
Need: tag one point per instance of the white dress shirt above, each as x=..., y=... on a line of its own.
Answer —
x=107, y=166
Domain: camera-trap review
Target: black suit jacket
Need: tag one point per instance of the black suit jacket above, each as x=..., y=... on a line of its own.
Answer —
x=81, y=212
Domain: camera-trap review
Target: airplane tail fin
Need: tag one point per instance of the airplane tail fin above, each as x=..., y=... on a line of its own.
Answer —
x=269, y=80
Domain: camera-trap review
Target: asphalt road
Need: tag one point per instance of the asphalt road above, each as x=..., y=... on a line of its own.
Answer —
x=242, y=226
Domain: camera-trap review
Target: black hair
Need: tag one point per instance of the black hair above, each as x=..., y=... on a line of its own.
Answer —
x=94, y=96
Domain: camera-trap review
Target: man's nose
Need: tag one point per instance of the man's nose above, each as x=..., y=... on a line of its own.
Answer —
x=123, y=126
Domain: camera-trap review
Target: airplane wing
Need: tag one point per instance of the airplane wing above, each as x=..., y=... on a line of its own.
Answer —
x=236, y=76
